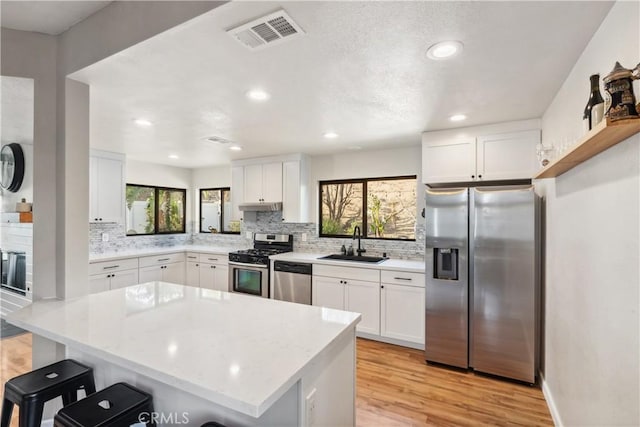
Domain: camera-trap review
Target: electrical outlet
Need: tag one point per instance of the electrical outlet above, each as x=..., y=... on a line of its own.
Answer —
x=105, y=237
x=310, y=411
x=304, y=237
x=249, y=235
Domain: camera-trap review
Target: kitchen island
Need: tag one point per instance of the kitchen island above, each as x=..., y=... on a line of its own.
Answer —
x=208, y=355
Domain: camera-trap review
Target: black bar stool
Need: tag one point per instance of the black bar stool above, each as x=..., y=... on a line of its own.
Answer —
x=32, y=390
x=118, y=405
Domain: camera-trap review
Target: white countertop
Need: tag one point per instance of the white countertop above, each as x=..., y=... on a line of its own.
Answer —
x=238, y=351
x=131, y=253
x=389, y=264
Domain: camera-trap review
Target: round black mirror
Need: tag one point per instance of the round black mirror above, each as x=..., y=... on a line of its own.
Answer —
x=11, y=167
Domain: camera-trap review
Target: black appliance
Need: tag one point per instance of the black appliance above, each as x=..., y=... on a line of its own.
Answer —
x=13, y=271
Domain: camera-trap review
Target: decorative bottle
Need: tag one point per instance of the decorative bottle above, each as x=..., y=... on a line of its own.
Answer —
x=594, y=110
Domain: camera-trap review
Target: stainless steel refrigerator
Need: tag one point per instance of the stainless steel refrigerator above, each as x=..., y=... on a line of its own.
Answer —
x=483, y=279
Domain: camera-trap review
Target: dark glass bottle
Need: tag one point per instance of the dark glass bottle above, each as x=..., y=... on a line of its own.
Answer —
x=595, y=98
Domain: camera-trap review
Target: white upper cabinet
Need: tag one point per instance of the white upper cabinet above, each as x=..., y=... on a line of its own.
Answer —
x=106, y=187
x=263, y=182
x=275, y=179
x=295, y=185
x=449, y=161
x=507, y=155
x=485, y=153
x=237, y=191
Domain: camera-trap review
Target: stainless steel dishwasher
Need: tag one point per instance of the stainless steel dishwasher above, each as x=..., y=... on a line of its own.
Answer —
x=292, y=282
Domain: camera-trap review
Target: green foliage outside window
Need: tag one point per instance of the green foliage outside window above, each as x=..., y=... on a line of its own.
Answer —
x=384, y=208
x=145, y=216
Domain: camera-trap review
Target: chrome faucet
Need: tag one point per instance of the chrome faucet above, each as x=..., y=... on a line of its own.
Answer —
x=358, y=233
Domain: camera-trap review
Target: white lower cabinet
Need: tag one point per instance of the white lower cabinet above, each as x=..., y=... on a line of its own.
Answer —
x=214, y=276
x=122, y=279
x=211, y=271
x=402, y=312
x=333, y=287
x=392, y=303
x=402, y=308
x=107, y=275
x=172, y=273
x=193, y=274
x=166, y=268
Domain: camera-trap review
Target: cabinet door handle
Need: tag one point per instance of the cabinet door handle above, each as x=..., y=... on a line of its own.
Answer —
x=479, y=176
x=213, y=266
x=473, y=176
x=110, y=267
x=197, y=265
x=192, y=257
x=382, y=286
x=163, y=259
x=212, y=259
x=403, y=278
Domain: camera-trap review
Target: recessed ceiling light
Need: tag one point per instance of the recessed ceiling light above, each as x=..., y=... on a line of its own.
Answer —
x=444, y=50
x=457, y=117
x=174, y=156
x=258, y=95
x=235, y=148
x=143, y=122
x=330, y=135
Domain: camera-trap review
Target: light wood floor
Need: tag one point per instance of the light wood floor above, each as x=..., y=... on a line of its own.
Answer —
x=394, y=388
x=15, y=359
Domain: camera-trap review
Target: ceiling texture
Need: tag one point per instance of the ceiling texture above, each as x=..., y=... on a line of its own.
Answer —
x=360, y=70
x=49, y=17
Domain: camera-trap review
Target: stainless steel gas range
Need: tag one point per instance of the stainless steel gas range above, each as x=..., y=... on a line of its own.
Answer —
x=249, y=269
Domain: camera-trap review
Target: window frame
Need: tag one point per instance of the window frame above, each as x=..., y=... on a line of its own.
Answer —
x=156, y=194
x=365, y=225
x=221, y=189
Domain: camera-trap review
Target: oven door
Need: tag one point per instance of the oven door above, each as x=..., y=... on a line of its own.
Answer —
x=252, y=279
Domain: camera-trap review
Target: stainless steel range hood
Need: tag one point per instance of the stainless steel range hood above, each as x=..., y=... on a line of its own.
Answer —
x=260, y=207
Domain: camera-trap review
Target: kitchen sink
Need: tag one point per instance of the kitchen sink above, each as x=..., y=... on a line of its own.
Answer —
x=358, y=258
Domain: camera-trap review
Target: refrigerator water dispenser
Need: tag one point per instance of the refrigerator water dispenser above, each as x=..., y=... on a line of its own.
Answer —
x=445, y=261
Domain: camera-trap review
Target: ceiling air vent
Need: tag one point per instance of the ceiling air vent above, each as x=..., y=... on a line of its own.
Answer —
x=218, y=140
x=267, y=30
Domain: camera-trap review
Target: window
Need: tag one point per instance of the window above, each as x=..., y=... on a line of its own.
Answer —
x=383, y=208
x=215, y=211
x=155, y=210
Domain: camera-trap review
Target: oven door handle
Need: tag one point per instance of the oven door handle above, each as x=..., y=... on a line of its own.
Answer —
x=242, y=264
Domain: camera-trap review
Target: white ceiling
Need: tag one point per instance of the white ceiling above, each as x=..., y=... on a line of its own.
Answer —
x=16, y=110
x=49, y=17
x=360, y=70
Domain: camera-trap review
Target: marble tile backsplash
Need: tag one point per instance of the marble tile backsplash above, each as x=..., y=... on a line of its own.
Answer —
x=269, y=222
x=119, y=241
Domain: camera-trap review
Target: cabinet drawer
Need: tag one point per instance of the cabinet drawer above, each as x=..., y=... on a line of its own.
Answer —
x=402, y=278
x=112, y=266
x=214, y=258
x=148, y=261
x=367, y=274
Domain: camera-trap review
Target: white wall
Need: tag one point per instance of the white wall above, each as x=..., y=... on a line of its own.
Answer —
x=592, y=347
x=211, y=177
x=33, y=55
x=366, y=164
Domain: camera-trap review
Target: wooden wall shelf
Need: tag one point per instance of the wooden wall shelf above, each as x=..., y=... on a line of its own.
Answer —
x=605, y=135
